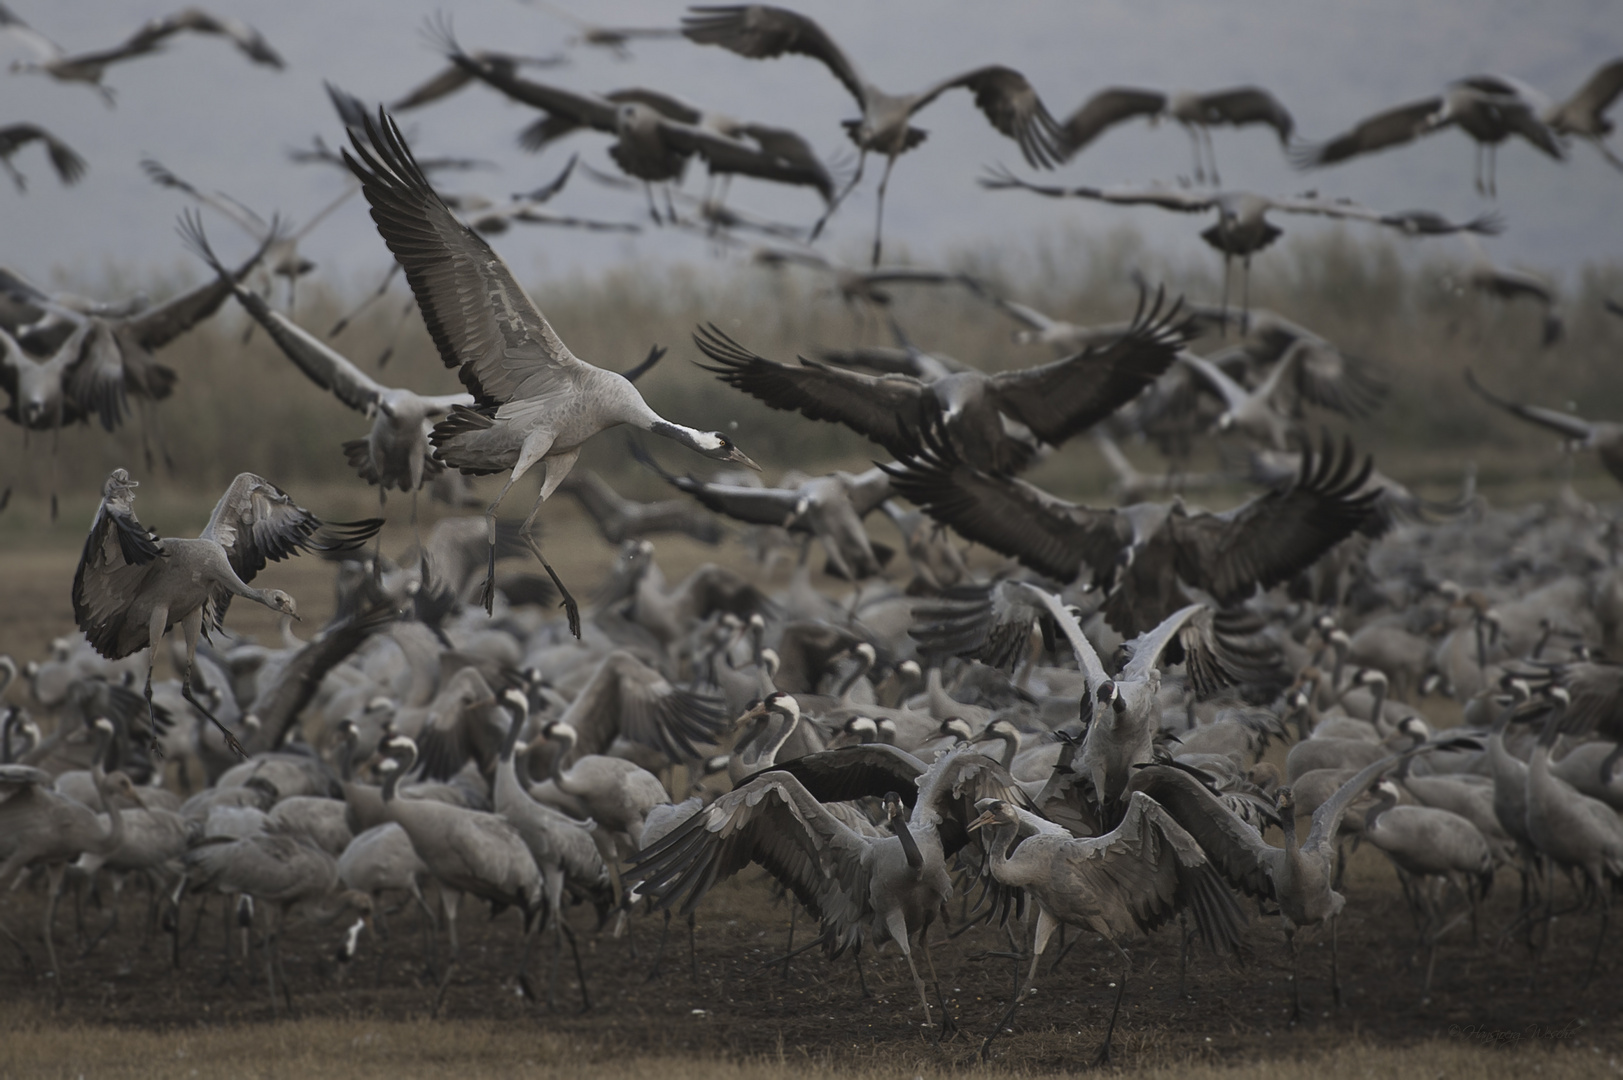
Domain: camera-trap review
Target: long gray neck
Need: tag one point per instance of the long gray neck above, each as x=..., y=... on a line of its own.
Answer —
x=910, y=847
x=1386, y=802
x=770, y=756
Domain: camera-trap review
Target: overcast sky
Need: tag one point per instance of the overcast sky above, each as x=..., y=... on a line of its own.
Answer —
x=223, y=123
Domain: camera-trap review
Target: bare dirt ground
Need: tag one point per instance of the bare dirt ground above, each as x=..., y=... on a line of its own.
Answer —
x=731, y=1009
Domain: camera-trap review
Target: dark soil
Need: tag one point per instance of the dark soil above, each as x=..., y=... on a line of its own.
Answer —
x=1226, y=1010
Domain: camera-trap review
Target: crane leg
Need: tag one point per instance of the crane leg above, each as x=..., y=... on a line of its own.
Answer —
x=570, y=606
x=1194, y=142
x=789, y=950
x=193, y=625
x=1046, y=925
x=580, y=970
x=693, y=946
x=1103, y=1056
x=1296, y=976
x=1600, y=938
x=1245, y=296
x=879, y=221
x=56, y=876
x=856, y=178
x=659, y=952
x=948, y=1025
x=1335, y=964
x=1211, y=156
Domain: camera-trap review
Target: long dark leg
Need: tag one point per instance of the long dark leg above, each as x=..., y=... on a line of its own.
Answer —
x=1245, y=295
x=948, y=1025
x=488, y=595
x=55, y=877
x=862, y=980
x=659, y=953
x=856, y=178
x=1211, y=156
x=571, y=608
x=1228, y=266
x=1296, y=976
x=1335, y=964
x=580, y=972
x=186, y=692
x=693, y=947
x=1110, y=1029
x=789, y=951
x=879, y=220
x=1600, y=938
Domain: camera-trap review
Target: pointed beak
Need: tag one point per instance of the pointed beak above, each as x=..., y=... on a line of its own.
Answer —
x=983, y=820
x=742, y=458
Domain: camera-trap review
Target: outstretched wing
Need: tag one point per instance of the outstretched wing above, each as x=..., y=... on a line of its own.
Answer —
x=324, y=367
x=69, y=166
x=846, y=773
x=1187, y=202
x=1109, y=107
x=626, y=698
x=257, y=522
x=759, y=32
x=250, y=41
x=1148, y=869
x=1008, y=515
x=1390, y=128
x=991, y=623
x=1218, y=648
x=885, y=408
x=1065, y=398
x=1010, y=102
x=1233, y=846
x=1247, y=105
x=1573, y=427
x=160, y=324
x=772, y=821
x=479, y=316
x=1275, y=536
x=118, y=557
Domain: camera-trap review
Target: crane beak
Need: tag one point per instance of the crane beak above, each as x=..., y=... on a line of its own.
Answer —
x=735, y=454
x=983, y=820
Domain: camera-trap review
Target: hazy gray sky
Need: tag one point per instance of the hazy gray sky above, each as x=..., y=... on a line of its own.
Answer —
x=222, y=123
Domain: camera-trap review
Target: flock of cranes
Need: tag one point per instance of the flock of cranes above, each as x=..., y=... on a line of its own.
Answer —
x=1070, y=733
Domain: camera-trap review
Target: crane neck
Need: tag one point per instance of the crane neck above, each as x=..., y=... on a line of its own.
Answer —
x=114, y=838
x=391, y=784
x=769, y=757
x=910, y=846
x=514, y=727
x=559, y=777
x=1386, y=802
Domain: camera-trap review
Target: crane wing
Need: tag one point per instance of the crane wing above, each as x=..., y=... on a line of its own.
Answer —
x=1010, y=102
x=1393, y=127
x=1274, y=536
x=1109, y=107
x=118, y=556
x=479, y=316
x=1065, y=398
x=257, y=522
x=771, y=820
x=887, y=409
x=760, y=32
x=1008, y=515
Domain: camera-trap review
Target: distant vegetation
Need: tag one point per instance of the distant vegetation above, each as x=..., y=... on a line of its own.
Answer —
x=242, y=406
